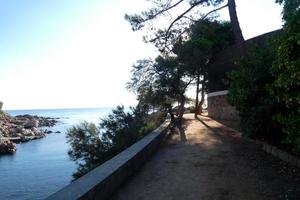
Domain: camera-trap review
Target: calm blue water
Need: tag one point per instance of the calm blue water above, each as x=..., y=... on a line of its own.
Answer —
x=41, y=167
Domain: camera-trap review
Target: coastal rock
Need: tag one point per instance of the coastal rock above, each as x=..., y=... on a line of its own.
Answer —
x=23, y=138
x=4, y=116
x=28, y=132
x=48, y=122
x=35, y=121
x=48, y=131
x=1, y=105
x=7, y=146
x=32, y=123
x=21, y=128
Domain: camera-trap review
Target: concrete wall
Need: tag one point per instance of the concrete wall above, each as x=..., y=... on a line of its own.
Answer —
x=101, y=182
x=219, y=108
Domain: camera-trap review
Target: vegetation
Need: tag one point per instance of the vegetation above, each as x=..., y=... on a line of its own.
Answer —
x=286, y=70
x=266, y=89
x=92, y=145
x=206, y=39
x=158, y=84
x=163, y=77
x=165, y=37
x=248, y=92
x=165, y=80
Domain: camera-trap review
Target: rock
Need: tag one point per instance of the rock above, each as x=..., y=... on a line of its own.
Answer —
x=4, y=116
x=18, y=122
x=7, y=146
x=47, y=122
x=57, y=132
x=48, y=131
x=16, y=131
x=25, y=116
x=40, y=134
x=1, y=105
x=31, y=124
x=25, y=138
x=28, y=132
x=21, y=128
x=4, y=130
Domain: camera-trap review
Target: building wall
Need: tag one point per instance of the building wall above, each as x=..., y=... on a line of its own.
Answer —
x=219, y=108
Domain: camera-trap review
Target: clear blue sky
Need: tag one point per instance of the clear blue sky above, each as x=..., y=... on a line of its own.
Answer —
x=78, y=53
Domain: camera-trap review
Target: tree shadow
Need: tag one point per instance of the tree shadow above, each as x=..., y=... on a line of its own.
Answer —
x=222, y=131
x=180, y=126
x=206, y=125
x=182, y=133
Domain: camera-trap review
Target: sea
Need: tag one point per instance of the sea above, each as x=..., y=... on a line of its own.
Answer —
x=42, y=167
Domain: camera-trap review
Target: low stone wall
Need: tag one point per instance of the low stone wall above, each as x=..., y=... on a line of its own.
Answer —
x=292, y=160
x=219, y=108
x=103, y=180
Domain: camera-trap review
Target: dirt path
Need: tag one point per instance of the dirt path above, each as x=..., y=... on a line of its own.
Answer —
x=206, y=160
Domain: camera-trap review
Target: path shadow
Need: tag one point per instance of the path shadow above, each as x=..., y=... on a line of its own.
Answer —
x=181, y=126
x=223, y=132
x=206, y=125
x=182, y=132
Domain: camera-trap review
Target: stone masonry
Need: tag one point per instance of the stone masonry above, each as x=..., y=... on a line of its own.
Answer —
x=219, y=108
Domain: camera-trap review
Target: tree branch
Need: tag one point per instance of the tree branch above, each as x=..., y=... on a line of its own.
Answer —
x=214, y=11
x=162, y=11
x=182, y=15
x=193, y=20
x=178, y=18
x=167, y=33
x=188, y=83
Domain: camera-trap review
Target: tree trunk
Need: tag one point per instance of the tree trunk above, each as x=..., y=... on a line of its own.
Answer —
x=170, y=111
x=202, y=100
x=197, y=95
x=239, y=39
x=181, y=107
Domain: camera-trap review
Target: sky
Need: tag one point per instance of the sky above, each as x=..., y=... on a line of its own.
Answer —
x=79, y=53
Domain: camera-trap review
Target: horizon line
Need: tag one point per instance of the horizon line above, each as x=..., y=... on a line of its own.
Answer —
x=66, y=108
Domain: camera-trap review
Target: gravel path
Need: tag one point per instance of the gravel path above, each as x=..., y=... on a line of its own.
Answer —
x=206, y=160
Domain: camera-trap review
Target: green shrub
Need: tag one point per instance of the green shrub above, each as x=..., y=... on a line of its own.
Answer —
x=153, y=121
x=286, y=70
x=92, y=145
x=249, y=93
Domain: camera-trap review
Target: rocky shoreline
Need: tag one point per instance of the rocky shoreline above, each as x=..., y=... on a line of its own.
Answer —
x=22, y=128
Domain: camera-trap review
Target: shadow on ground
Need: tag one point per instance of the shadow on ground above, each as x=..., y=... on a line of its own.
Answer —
x=203, y=159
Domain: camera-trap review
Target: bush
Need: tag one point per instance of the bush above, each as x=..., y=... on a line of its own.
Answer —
x=153, y=121
x=249, y=93
x=266, y=92
x=92, y=145
x=87, y=147
x=286, y=69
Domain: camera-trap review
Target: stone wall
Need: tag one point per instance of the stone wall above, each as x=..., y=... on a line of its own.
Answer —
x=219, y=108
x=102, y=181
